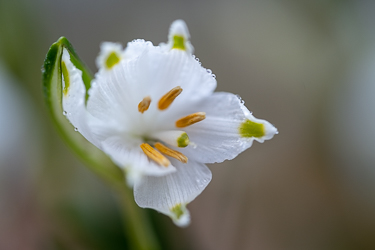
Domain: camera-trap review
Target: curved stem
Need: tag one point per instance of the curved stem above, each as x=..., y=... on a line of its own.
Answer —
x=137, y=227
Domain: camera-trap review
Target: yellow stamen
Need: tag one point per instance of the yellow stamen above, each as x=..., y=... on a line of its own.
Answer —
x=170, y=152
x=144, y=104
x=155, y=155
x=190, y=119
x=169, y=97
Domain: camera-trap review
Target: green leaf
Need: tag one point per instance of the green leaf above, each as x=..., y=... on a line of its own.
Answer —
x=94, y=158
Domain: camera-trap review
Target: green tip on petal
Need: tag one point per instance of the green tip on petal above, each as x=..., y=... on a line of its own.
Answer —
x=66, y=78
x=112, y=60
x=183, y=140
x=177, y=211
x=179, y=42
x=251, y=129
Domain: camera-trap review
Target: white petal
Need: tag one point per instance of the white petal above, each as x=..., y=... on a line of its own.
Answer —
x=126, y=153
x=110, y=55
x=218, y=138
x=135, y=48
x=115, y=95
x=269, y=129
x=166, y=193
x=175, y=138
x=74, y=94
x=179, y=31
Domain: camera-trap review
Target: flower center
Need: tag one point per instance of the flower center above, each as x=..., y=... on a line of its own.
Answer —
x=176, y=138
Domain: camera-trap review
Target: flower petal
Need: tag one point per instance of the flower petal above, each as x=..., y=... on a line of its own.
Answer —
x=126, y=153
x=110, y=55
x=219, y=137
x=135, y=48
x=178, y=38
x=74, y=93
x=115, y=95
x=169, y=194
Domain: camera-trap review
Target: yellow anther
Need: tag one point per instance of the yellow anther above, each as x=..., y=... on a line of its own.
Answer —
x=169, y=97
x=170, y=152
x=190, y=119
x=155, y=155
x=144, y=104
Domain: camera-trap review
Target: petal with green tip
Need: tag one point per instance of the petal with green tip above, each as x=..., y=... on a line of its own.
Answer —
x=228, y=130
x=53, y=93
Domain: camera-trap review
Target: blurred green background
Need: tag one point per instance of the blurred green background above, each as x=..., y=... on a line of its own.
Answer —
x=306, y=66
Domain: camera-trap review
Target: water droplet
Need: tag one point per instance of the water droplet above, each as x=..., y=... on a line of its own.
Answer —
x=197, y=59
x=209, y=71
x=76, y=129
x=239, y=98
x=214, y=76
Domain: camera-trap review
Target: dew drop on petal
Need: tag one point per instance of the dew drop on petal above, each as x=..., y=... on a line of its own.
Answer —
x=76, y=129
x=214, y=76
x=209, y=71
x=65, y=113
x=242, y=101
x=197, y=59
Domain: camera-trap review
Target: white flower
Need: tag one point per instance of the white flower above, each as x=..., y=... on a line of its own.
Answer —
x=153, y=111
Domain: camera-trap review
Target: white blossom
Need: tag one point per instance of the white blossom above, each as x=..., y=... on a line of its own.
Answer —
x=153, y=111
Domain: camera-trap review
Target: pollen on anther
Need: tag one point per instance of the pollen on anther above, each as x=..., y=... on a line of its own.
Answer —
x=155, y=155
x=169, y=97
x=190, y=119
x=144, y=104
x=170, y=152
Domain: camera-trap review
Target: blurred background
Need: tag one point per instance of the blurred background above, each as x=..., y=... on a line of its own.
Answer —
x=308, y=67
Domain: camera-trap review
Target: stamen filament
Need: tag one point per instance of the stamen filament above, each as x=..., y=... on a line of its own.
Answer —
x=169, y=97
x=155, y=155
x=144, y=104
x=190, y=119
x=170, y=152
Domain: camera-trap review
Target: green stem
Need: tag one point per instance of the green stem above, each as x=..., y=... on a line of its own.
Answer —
x=137, y=227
